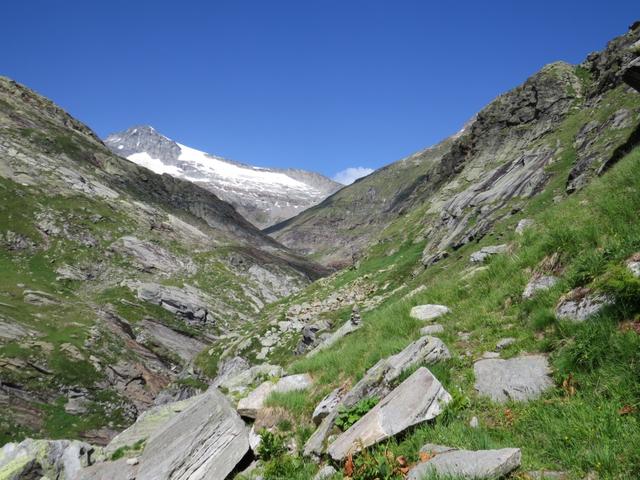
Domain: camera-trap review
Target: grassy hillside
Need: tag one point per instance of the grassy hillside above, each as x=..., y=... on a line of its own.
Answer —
x=596, y=364
x=81, y=352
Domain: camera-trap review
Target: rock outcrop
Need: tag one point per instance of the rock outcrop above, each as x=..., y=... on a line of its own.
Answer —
x=418, y=399
x=378, y=381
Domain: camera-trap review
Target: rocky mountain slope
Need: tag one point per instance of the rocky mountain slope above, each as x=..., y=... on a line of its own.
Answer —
x=114, y=278
x=579, y=118
x=262, y=195
x=489, y=329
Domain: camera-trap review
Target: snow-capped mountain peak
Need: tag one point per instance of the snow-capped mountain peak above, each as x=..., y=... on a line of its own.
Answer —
x=264, y=196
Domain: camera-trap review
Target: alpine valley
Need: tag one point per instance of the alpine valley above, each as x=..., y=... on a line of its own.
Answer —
x=471, y=311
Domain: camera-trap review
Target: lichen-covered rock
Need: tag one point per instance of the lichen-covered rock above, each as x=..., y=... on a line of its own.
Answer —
x=35, y=459
x=147, y=424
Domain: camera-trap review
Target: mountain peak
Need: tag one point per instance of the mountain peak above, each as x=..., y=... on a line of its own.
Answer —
x=264, y=196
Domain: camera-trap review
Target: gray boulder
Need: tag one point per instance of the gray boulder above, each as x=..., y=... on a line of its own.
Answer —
x=580, y=304
x=519, y=378
x=147, y=424
x=538, y=283
x=633, y=264
x=228, y=368
x=204, y=442
x=634, y=268
x=377, y=382
x=504, y=343
x=418, y=399
x=428, y=312
x=467, y=464
x=485, y=252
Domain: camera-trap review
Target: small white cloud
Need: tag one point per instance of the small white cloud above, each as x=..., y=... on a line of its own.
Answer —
x=351, y=174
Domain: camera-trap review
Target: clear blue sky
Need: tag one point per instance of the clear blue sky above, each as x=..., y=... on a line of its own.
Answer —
x=316, y=84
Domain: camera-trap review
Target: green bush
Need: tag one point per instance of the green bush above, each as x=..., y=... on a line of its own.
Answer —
x=348, y=416
x=272, y=445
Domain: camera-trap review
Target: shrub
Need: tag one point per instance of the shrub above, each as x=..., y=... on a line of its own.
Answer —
x=348, y=416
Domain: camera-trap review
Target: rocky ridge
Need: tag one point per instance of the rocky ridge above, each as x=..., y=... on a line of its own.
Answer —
x=511, y=151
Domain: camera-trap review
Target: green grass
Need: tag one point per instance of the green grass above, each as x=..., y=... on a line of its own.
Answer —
x=296, y=402
x=592, y=232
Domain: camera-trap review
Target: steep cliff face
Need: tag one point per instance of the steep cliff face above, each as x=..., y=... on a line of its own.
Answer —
x=563, y=126
x=263, y=195
x=115, y=279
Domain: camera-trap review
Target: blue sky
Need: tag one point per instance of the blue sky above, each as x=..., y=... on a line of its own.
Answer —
x=321, y=85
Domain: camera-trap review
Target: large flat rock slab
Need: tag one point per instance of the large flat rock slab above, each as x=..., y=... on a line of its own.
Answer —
x=204, y=442
x=147, y=424
x=377, y=383
x=519, y=378
x=418, y=399
x=467, y=464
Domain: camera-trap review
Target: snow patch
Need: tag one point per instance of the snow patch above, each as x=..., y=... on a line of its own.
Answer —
x=155, y=164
